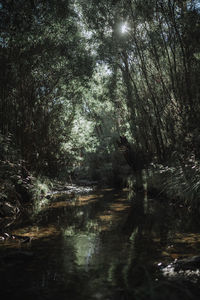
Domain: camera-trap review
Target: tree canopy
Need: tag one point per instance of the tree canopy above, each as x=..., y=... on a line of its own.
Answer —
x=87, y=83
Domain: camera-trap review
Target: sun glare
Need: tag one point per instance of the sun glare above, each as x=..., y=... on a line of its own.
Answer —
x=124, y=28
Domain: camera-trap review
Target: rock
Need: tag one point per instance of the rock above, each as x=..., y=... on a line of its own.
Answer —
x=191, y=263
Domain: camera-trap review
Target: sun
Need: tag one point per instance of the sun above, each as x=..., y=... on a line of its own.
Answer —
x=124, y=28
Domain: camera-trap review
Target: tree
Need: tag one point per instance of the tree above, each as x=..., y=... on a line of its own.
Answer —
x=156, y=58
x=44, y=66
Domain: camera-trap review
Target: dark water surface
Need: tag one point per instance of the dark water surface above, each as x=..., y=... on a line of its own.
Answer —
x=99, y=247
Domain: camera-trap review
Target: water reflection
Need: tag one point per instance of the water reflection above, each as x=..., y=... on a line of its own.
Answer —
x=98, y=246
x=86, y=246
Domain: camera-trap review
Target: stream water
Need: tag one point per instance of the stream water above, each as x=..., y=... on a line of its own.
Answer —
x=98, y=246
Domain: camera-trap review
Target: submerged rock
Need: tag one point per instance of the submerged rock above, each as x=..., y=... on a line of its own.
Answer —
x=186, y=269
x=191, y=263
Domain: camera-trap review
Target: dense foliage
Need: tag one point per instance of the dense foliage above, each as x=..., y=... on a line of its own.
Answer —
x=157, y=56
x=152, y=50
x=103, y=90
x=44, y=69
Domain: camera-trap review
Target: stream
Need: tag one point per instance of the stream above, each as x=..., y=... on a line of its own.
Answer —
x=98, y=246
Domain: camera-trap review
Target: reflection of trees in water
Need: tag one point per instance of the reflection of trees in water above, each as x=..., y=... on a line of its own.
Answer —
x=85, y=246
x=119, y=258
x=41, y=276
x=136, y=263
x=149, y=231
x=60, y=274
x=141, y=226
x=84, y=259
